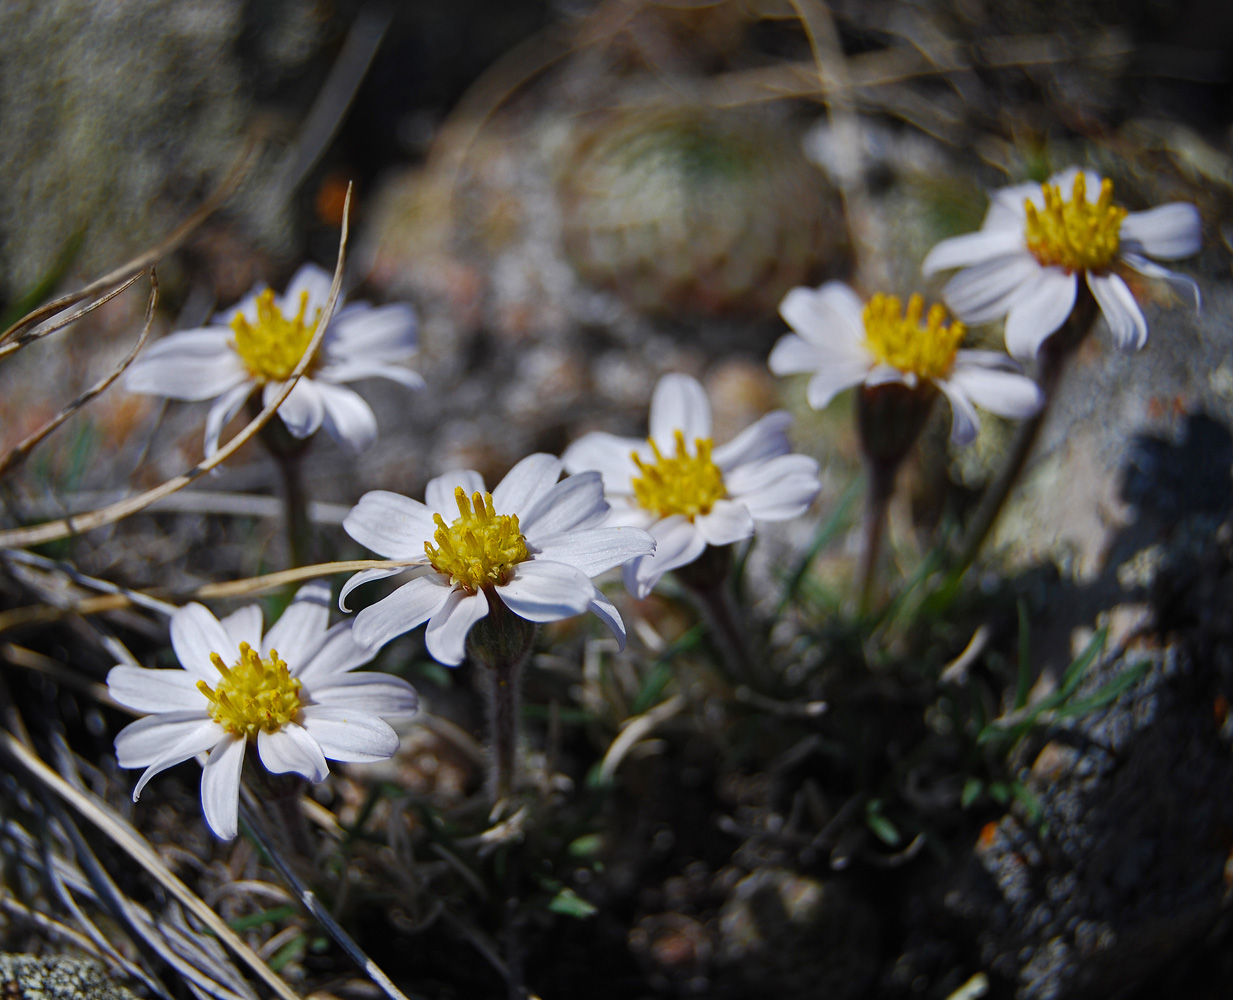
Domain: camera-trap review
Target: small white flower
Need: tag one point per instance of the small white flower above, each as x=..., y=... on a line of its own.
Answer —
x=688, y=493
x=844, y=342
x=259, y=341
x=532, y=543
x=291, y=691
x=1025, y=260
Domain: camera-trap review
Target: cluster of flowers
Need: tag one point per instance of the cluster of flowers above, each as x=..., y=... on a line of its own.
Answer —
x=535, y=542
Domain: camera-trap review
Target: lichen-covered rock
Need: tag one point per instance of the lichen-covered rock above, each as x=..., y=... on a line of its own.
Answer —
x=31, y=977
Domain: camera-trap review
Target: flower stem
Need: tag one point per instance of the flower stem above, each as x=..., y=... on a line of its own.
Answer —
x=708, y=580
x=501, y=642
x=281, y=794
x=1055, y=352
x=879, y=490
x=288, y=453
x=890, y=418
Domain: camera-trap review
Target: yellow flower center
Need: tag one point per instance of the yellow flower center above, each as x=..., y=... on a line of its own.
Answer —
x=254, y=694
x=682, y=483
x=480, y=547
x=1075, y=234
x=896, y=337
x=273, y=346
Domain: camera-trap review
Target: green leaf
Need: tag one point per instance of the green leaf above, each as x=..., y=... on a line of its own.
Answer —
x=1107, y=692
x=571, y=904
x=586, y=846
x=274, y=915
x=882, y=827
x=1074, y=673
x=972, y=788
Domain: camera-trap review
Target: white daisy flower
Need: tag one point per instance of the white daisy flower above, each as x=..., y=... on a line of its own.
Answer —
x=291, y=692
x=259, y=341
x=1025, y=261
x=844, y=342
x=686, y=492
x=532, y=543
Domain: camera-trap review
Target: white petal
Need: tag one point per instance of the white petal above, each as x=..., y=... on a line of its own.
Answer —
x=761, y=475
x=291, y=748
x=220, y=786
x=155, y=690
x=1121, y=311
x=355, y=369
x=221, y=411
x=608, y=455
x=606, y=612
x=1008, y=394
x=406, y=608
x=787, y=498
x=728, y=521
x=793, y=355
x=390, y=524
x=546, y=591
x=347, y=418
x=301, y=627
x=965, y=423
x=382, y=334
x=1168, y=231
x=302, y=411
x=985, y=292
x=594, y=550
x=350, y=735
x=439, y=494
x=337, y=652
x=679, y=403
x=141, y=743
x=525, y=483
x=190, y=741
x=195, y=364
x=309, y=278
x=362, y=577
x=972, y=248
x=244, y=625
x=195, y=634
x=380, y=694
x=1181, y=282
x=763, y=439
x=575, y=502
x=677, y=543
x=832, y=380
x=1041, y=306
x=1007, y=209
x=884, y=374
x=446, y=635
x=829, y=316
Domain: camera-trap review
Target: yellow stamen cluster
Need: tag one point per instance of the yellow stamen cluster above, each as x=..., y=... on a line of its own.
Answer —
x=273, y=346
x=480, y=548
x=682, y=483
x=1075, y=234
x=254, y=694
x=896, y=337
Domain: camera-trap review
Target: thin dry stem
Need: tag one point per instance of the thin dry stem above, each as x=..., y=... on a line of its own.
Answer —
x=68, y=319
x=21, y=451
x=74, y=525
x=101, y=815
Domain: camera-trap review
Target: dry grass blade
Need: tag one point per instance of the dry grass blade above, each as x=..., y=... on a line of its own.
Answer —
x=148, y=259
x=21, y=451
x=67, y=319
x=101, y=815
x=64, y=527
x=319, y=912
x=117, y=598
